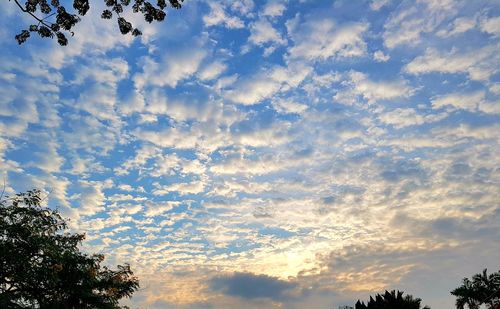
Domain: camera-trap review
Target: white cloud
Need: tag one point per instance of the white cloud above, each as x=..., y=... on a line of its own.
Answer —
x=102, y=70
x=262, y=32
x=249, y=167
x=243, y=7
x=194, y=187
x=406, y=25
x=285, y=106
x=322, y=39
x=253, y=91
x=404, y=117
x=90, y=197
x=379, y=56
x=47, y=159
x=141, y=157
x=478, y=64
x=156, y=209
x=376, y=5
x=490, y=107
x=459, y=26
x=99, y=100
x=472, y=102
x=204, y=138
x=465, y=131
x=174, y=67
x=267, y=135
x=134, y=102
x=90, y=134
x=212, y=71
x=374, y=91
x=273, y=8
x=265, y=84
x=495, y=88
x=465, y=101
x=218, y=16
x=491, y=25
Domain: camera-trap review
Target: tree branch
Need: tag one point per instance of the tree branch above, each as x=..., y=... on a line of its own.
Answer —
x=40, y=21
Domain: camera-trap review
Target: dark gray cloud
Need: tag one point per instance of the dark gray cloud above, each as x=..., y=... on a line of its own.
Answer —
x=484, y=227
x=250, y=286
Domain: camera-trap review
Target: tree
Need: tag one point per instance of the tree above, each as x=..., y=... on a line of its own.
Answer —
x=52, y=19
x=391, y=300
x=482, y=289
x=41, y=265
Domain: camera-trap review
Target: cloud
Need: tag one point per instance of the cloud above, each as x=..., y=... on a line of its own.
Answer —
x=84, y=132
x=379, y=56
x=412, y=19
x=465, y=101
x=404, y=117
x=460, y=25
x=262, y=32
x=157, y=209
x=204, y=137
x=465, y=229
x=273, y=8
x=90, y=197
x=477, y=64
x=212, y=71
x=253, y=91
x=218, y=16
x=373, y=91
x=472, y=102
x=249, y=167
x=173, y=67
x=289, y=107
x=243, y=7
x=323, y=39
x=378, y=4
x=491, y=25
x=240, y=177
x=250, y=286
x=46, y=157
x=194, y=187
x=263, y=85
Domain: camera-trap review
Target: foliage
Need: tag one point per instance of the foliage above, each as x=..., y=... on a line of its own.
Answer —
x=64, y=21
x=391, y=300
x=41, y=265
x=482, y=289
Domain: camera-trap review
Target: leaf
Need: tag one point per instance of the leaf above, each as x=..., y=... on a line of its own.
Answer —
x=124, y=25
x=44, y=32
x=106, y=14
x=61, y=39
x=82, y=6
x=22, y=37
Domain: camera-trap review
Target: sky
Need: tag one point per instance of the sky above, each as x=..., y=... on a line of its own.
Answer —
x=268, y=154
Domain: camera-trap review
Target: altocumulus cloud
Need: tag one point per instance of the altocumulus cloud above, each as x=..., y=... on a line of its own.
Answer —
x=315, y=151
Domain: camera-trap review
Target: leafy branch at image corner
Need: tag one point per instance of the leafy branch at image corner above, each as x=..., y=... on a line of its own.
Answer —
x=52, y=19
x=42, y=265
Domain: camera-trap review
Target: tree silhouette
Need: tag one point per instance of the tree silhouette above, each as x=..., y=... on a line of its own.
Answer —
x=52, y=18
x=482, y=289
x=41, y=265
x=391, y=300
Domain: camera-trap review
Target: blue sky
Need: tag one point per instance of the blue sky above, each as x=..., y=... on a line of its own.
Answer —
x=262, y=154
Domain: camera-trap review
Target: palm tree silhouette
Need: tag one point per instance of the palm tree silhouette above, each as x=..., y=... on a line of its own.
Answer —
x=391, y=300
